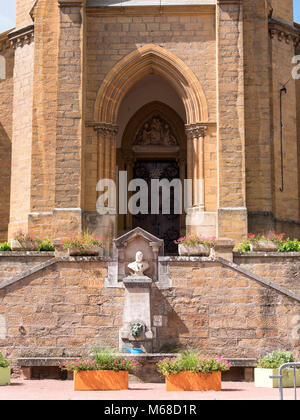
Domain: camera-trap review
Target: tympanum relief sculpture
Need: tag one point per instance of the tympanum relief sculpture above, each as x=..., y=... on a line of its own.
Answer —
x=157, y=132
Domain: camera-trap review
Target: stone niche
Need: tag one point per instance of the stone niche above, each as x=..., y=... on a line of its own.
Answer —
x=126, y=248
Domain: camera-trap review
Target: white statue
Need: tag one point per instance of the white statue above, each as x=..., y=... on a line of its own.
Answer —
x=138, y=267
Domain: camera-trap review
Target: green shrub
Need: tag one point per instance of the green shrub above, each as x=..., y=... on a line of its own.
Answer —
x=289, y=246
x=5, y=246
x=46, y=245
x=191, y=361
x=244, y=247
x=3, y=362
x=275, y=359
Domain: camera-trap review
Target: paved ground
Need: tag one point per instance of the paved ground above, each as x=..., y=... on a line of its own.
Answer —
x=63, y=390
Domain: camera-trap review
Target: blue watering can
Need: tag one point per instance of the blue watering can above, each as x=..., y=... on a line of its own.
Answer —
x=133, y=351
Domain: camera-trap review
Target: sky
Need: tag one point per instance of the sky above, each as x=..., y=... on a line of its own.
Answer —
x=8, y=11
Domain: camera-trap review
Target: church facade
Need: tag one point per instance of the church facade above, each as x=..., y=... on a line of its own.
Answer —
x=200, y=90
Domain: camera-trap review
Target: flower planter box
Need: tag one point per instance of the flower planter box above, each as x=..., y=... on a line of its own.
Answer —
x=93, y=250
x=24, y=245
x=197, y=250
x=100, y=380
x=190, y=381
x=4, y=376
x=262, y=378
x=264, y=246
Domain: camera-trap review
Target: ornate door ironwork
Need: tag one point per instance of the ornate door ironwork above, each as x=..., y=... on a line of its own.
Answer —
x=164, y=226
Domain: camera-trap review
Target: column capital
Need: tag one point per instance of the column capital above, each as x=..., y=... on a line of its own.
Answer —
x=106, y=129
x=196, y=130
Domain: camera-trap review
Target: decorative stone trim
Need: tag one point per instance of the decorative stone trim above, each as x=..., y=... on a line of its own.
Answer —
x=195, y=130
x=146, y=60
x=106, y=129
x=22, y=36
x=284, y=31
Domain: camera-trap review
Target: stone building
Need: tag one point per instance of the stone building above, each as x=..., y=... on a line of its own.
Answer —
x=84, y=77
x=196, y=89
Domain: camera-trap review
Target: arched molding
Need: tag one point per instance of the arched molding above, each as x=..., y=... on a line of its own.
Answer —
x=150, y=59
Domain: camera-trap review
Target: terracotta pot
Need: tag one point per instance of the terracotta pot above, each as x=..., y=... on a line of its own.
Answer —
x=24, y=245
x=197, y=250
x=190, y=381
x=100, y=380
x=264, y=246
x=93, y=250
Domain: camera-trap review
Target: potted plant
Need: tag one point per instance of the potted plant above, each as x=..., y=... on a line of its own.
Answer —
x=82, y=244
x=269, y=366
x=193, y=372
x=265, y=242
x=4, y=371
x=195, y=245
x=24, y=242
x=106, y=371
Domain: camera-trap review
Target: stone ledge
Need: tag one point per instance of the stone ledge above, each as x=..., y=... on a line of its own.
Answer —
x=26, y=254
x=267, y=254
x=185, y=259
x=155, y=357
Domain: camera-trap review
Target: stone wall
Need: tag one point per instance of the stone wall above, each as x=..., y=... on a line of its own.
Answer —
x=6, y=100
x=275, y=267
x=23, y=8
x=218, y=310
x=21, y=138
x=45, y=80
x=64, y=309
x=257, y=113
x=60, y=311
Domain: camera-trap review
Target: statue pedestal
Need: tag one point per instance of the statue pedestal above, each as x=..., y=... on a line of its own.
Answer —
x=137, y=310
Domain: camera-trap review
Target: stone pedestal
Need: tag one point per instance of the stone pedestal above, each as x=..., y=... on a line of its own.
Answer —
x=137, y=310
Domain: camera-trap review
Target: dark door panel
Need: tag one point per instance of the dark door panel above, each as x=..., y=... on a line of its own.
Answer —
x=164, y=226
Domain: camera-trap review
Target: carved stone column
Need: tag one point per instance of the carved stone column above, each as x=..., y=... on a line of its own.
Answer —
x=107, y=226
x=195, y=159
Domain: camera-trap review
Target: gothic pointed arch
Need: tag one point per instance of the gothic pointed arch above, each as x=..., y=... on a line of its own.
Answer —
x=150, y=59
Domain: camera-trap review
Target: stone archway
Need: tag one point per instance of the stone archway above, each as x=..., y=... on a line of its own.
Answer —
x=165, y=153
x=149, y=59
x=146, y=60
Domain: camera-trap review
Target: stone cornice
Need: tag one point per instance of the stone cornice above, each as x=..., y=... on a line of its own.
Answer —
x=150, y=10
x=220, y=2
x=70, y=3
x=21, y=36
x=284, y=31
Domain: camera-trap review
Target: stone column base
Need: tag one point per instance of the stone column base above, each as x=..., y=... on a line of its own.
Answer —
x=232, y=223
x=104, y=226
x=201, y=223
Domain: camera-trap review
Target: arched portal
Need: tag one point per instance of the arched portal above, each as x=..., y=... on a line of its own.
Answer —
x=154, y=146
x=145, y=61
